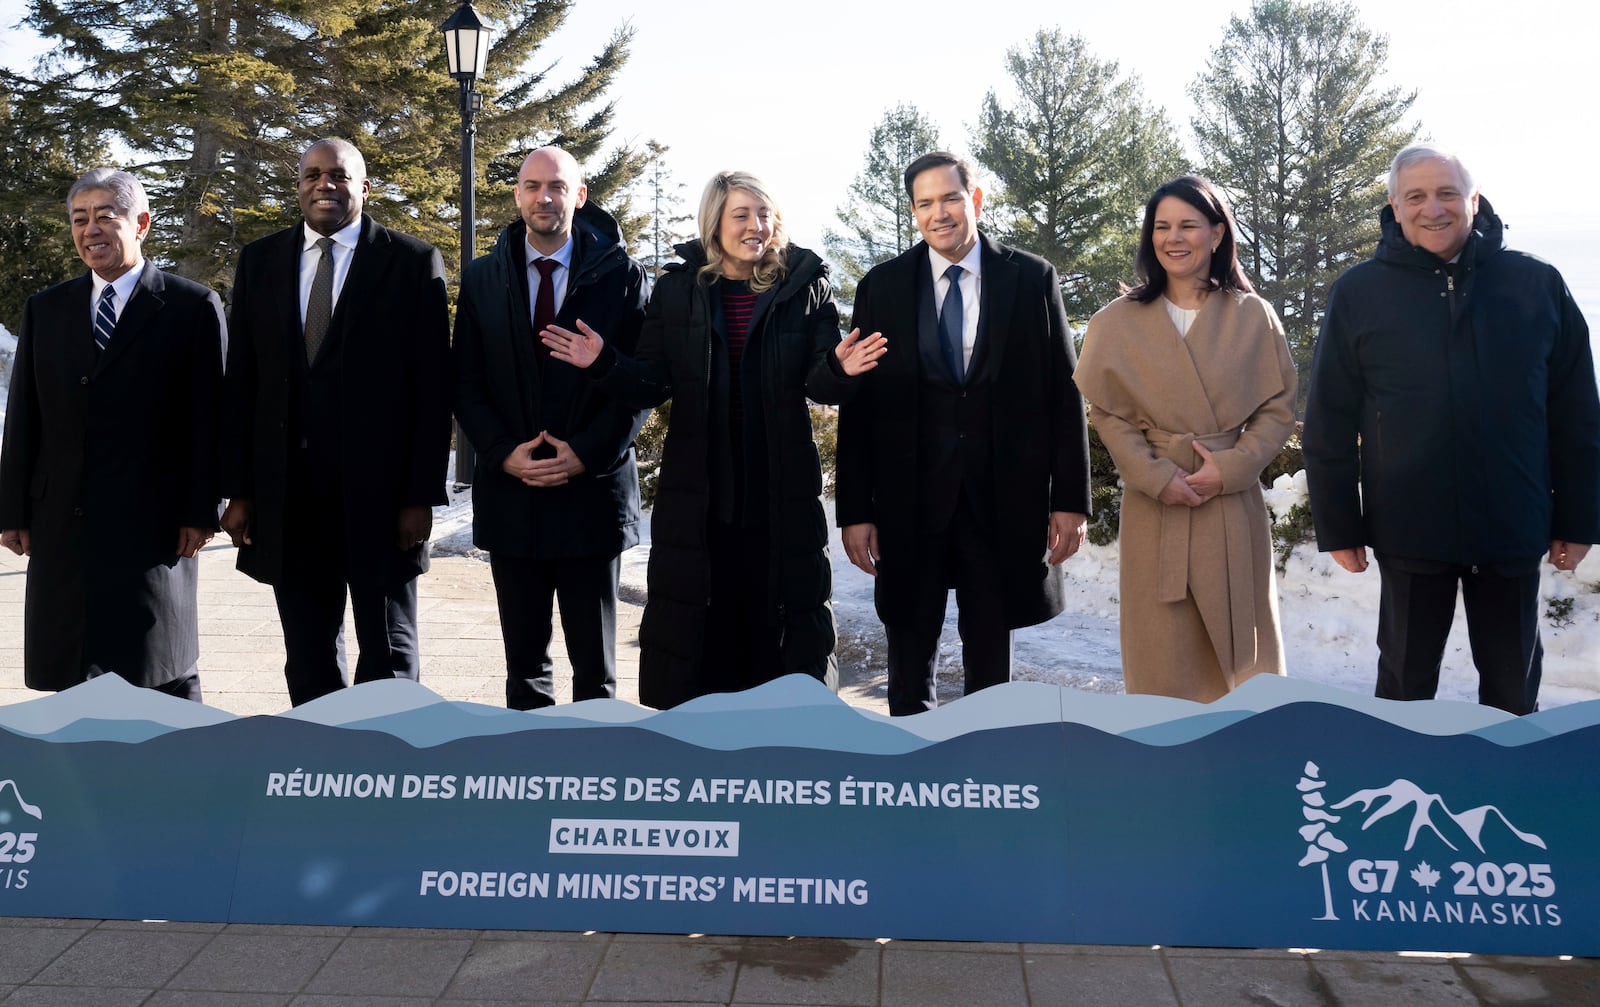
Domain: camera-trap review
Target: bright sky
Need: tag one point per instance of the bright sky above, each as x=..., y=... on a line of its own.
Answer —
x=791, y=92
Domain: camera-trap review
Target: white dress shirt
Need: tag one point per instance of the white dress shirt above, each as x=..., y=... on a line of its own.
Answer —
x=124, y=286
x=343, y=251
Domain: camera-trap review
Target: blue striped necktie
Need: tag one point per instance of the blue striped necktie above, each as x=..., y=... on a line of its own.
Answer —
x=105, y=317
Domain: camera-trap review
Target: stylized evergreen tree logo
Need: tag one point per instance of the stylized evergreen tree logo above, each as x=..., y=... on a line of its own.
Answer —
x=1320, y=840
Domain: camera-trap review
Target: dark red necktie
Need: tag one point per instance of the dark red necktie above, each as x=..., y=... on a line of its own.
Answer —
x=544, y=302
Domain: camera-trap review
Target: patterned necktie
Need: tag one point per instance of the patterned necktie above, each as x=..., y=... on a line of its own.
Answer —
x=319, y=307
x=950, y=325
x=544, y=302
x=105, y=317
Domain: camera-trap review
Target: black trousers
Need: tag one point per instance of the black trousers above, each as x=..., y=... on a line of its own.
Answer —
x=526, y=591
x=961, y=557
x=1414, y=615
x=318, y=576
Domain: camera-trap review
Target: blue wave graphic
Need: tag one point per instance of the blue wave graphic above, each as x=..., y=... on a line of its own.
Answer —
x=792, y=712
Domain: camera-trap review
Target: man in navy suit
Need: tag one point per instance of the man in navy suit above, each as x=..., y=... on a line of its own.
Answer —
x=108, y=478
x=338, y=425
x=964, y=460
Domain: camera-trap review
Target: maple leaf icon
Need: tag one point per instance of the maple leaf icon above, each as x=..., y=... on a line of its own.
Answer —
x=1425, y=876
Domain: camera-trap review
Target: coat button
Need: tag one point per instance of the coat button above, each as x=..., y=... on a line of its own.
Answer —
x=77, y=512
x=83, y=380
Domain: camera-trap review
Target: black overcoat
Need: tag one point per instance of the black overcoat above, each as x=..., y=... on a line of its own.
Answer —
x=507, y=390
x=105, y=459
x=395, y=399
x=678, y=355
x=1038, y=437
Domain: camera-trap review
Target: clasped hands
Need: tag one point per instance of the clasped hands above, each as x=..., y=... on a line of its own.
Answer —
x=1191, y=489
x=541, y=473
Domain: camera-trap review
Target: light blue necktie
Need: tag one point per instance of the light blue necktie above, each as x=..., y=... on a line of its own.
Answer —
x=105, y=317
x=950, y=325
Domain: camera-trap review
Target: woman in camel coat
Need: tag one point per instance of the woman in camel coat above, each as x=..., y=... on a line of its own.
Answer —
x=1191, y=388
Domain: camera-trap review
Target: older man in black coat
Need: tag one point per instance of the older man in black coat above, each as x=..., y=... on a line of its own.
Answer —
x=964, y=460
x=338, y=425
x=108, y=475
x=556, y=492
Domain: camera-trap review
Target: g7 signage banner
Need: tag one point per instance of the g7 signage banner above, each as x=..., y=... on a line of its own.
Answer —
x=1284, y=815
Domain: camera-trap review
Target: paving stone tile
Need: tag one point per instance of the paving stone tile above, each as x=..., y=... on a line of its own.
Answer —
x=1225, y=980
x=1415, y=985
x=547, y=935
x=25, y=952
x=1093, y=980
x=449, y=1001
x=134, y=958
x=812, y=971
x=211, y=998
x=673, y=972
x=523, y=969
x=1533, y=982
x=1119, y=950
x=360, y=1001
x=77, y=996
x=693, y=939
x=288, y=929
x=162, y=926
x=913, y=978
x=255, y=963
x=390, y=967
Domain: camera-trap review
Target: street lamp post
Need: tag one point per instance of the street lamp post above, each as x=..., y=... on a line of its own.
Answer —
x=466, y=47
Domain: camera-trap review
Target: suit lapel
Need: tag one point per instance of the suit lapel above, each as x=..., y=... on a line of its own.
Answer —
x=996, y=301
x=144, y=305
x=78, y=346
x=930, y=347
x=363, y=282
x=291, y=334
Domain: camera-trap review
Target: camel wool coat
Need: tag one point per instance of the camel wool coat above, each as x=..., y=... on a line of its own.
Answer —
x=1199, y=601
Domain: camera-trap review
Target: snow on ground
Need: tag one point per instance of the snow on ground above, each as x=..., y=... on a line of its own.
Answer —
x=1329, y=618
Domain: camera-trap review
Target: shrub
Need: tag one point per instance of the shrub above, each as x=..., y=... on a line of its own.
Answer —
x=647, y=446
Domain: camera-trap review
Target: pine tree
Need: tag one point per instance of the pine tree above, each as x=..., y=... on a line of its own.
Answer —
x=216, y=99
x=668, y=224
x=1075, y=158
x=1295, y=127
x=876, y=221
x=39, y=162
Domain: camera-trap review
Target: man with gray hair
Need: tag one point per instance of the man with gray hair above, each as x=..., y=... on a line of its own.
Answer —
x=108, y=479
x=1453, y=425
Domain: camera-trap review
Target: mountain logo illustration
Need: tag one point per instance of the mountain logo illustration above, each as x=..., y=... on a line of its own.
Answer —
x=1429, y=811
x=21, y=804
x=1381, y=811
